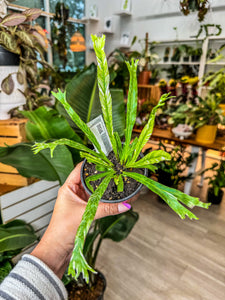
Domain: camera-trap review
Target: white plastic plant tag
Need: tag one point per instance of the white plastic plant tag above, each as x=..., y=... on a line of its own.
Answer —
x=97, y=126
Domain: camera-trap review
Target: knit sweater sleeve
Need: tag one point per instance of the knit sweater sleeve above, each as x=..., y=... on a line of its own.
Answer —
x=32, y=279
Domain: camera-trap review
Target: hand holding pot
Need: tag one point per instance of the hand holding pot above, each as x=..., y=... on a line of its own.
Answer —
x=56, y=245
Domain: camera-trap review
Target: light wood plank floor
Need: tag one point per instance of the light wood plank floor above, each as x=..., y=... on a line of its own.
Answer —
x=166, y=258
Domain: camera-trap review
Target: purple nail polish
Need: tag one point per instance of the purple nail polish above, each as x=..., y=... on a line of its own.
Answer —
x=127, y=205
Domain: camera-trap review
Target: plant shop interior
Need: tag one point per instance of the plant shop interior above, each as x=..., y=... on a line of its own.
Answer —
x=135, y=90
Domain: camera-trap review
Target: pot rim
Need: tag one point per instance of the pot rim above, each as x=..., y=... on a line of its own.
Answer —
x=106, y=200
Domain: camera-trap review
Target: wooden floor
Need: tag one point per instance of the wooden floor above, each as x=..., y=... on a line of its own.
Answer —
x=166, y=258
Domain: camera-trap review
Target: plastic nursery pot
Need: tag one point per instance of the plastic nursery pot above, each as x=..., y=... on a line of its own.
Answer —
x=76, y=290
x=107, y=200
x=8, y=58
x=206, y=134
x=211, y=197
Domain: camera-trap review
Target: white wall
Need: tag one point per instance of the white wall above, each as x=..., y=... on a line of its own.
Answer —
x=142, y=21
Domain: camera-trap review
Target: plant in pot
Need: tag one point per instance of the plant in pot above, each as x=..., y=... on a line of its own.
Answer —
x=115, y=171
x=172, y=172
x=22, y=48
x=14, y=236
x=216, y=183
x=147, y=61
x=205, y=116
x=185, y=52
x=196, y=54
x=166, y=54
x=115, y=228
x=216, y=82
x=201, y=6
x=176, y=54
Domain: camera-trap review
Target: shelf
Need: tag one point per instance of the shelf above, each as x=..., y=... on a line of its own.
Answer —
x=91, y=19
x=178, y=63
x=107, y=32
x=177, y=41
x=124, y=46
x=216, y=64
x=123, y=13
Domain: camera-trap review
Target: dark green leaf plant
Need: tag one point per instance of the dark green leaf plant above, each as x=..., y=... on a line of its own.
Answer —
x=127, y=155
x=14, y=236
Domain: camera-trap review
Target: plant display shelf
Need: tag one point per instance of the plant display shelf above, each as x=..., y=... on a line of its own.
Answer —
x=123, y=13
x=178, y=63
x=12, y=131
x=196, y=147
x=90, y=19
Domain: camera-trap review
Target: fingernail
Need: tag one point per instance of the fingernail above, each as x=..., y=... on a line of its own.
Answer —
x=122, y=207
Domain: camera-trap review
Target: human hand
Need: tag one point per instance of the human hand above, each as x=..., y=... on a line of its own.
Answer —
x=55, y=247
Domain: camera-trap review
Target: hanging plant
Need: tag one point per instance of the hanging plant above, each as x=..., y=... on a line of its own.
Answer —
x=202, y=6
x=60, y=31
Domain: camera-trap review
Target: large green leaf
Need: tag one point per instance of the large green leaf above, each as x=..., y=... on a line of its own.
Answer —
x=45, y=123
x=132, y=101
x=16, y=235
x=41, y=165
x=103, y=85
x=117, y=227
x=82, y=95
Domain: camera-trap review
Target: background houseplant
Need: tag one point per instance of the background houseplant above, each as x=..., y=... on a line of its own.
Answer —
x=205, y=117
x=14, y=236
x=126, y=157
x=28, y=43
x=216, y=83
x=216, y=183
x=202, y=6
x=172, y=172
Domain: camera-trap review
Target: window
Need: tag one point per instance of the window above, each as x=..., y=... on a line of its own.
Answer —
x=75, y=60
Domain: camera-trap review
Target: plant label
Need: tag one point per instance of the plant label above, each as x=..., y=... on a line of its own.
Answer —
x=97, y=126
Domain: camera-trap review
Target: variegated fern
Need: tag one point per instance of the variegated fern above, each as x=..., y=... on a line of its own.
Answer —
x=127, y=154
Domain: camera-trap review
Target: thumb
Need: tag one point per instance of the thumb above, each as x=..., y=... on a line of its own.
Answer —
x=108, y=209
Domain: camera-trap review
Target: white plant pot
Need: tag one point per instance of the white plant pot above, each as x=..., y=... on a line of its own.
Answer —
x=16, y=98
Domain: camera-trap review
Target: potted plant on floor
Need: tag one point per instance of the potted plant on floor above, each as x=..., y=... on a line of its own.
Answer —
x=216, y=183
x=118, y=173
x=115, y=228
x=205, y=116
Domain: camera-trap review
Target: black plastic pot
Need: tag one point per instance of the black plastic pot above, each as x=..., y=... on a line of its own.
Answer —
x=195, y=58
x=8, y=58
x=186, y=58
x=211, y=197
x=165, y=58
x=106, y=200
x=73, y=285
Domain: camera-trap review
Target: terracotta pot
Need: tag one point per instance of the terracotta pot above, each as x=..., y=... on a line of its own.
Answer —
x=206, y=134
x=144, y=77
